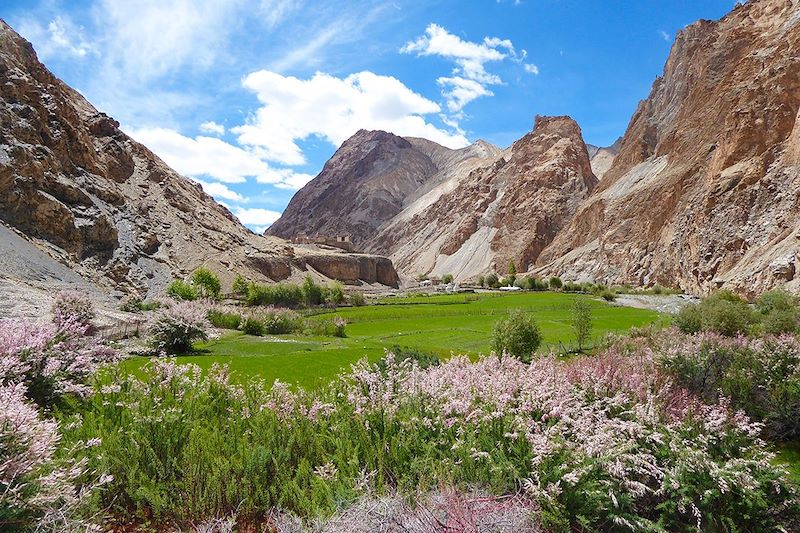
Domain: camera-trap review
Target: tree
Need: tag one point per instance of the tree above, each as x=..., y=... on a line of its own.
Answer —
x=239, y=286
x=518, y=336
x=312, y=293
x=447, y=279
x=556, y=283
x=207, y=283
x=512, y=273
x=582, y=322
x=336, y=293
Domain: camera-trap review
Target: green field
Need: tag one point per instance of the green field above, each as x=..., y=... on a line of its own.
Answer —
x=443, y=324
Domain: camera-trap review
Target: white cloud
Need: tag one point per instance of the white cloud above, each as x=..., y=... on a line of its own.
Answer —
x=285, y=178
x=333, y=109
x=470, y=78
x=212, y=127
x=664, y=35
x=211, y=157
x=60, y=35
x=145, y=39
x=221, y=191
x=461, y=91
x=531, y=68
x=201, y=156
x=256, y=218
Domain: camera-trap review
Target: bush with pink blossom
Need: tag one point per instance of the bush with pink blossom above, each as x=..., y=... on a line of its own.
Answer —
x=38, y=490
x=50, y=360
x=74, y=307
x=602, y=444
x=176, y=328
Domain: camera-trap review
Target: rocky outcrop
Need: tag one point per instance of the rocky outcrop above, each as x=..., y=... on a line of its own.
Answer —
x=356, y=267
x=602, y=157
x=705, y=191
x=77, y=188
x=370, y=179
x=508, y=210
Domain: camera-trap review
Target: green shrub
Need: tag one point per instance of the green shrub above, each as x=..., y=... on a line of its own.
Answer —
x=776, y=300
x=723, y=312
x=582, y=322
x=280, y=294
x=689, y=319
x=779, y=312
x=181, y=290
x=447, y=279
x=207, y=283
x=239, y=286
x=492, y=281
x=608, y=295
x=134, y=304
x=311, y=292
x=253, y=325
x=224, y=319
x=518, y=336
x=556, y=283
x=780, y=321
x=422, y=358
x=335, y=293
x=481, y=281
x=357, y=299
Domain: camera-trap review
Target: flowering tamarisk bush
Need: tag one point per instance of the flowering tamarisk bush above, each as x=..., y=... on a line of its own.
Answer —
x=50, y=360
x=37, y=490
x=604, y=444
x=175, y=328
x=74, y=307
x=760, y=376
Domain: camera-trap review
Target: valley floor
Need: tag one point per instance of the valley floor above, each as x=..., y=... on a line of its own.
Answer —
x=440, y=324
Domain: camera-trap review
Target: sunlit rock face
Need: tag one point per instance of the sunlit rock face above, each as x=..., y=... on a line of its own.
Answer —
x=705, y=190
x=78, y=192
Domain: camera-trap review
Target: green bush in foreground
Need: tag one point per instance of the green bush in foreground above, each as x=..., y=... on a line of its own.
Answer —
x=357, y=299
x=518, y=336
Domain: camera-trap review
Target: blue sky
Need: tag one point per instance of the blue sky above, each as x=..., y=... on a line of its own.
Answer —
x=251, y=97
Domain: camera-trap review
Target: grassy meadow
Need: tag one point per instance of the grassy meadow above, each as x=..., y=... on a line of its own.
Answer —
x=441, y=324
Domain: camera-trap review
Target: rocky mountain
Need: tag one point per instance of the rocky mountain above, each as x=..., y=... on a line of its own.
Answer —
x=705, y=191
x=601, y=157
x=76, y=191
x=370, y=179
x=435, y=210
x=505, y=210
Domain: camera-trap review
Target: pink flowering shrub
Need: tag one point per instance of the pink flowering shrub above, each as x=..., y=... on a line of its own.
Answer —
x=50, y=360
x=600, y=444
x=758, y=375
x=37, y=489
x=74, y=307
x=176, y=328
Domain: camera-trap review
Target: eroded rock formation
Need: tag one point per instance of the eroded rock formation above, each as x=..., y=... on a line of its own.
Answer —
x=705, y=191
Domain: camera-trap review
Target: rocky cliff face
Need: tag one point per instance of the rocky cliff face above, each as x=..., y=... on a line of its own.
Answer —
x=602, y=157
x=371, y=178
x=705, y=191
x=77, y=188
x=507, y=210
